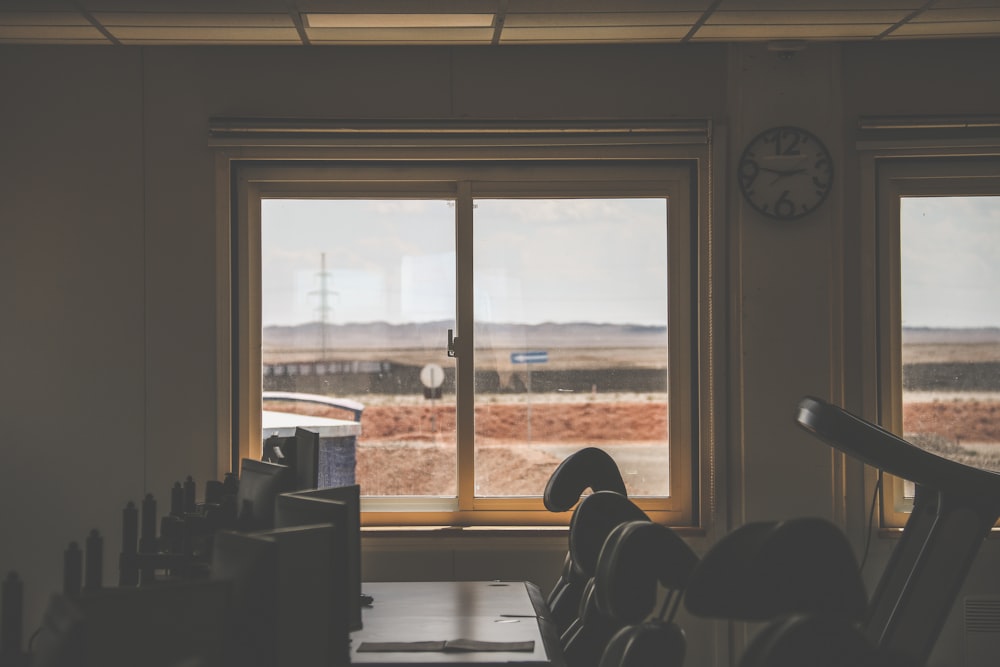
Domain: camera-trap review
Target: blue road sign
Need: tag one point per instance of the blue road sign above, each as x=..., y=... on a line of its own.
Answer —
x=532, y=357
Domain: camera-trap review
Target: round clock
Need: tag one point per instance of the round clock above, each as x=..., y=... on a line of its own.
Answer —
x=785, y=172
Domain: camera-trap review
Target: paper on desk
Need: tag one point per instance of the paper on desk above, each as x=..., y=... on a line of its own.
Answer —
x=478, y=645
x=468, y=645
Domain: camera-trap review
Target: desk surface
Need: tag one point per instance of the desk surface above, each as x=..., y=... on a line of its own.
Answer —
x=446, y=611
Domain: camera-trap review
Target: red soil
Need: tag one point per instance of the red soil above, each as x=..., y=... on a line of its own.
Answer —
x=409, y=449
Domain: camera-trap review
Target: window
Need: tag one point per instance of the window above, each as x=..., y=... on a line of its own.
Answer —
x=492, y=316
x=939, y=317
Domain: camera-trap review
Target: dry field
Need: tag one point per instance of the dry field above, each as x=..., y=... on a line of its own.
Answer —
x=407, y=446
x=407, y=442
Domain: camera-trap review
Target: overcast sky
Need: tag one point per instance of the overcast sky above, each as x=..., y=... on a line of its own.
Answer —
x=536, y=261
x=950, y=253
x=586, y=260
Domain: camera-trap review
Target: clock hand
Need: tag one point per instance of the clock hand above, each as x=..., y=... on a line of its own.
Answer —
x=783, y=172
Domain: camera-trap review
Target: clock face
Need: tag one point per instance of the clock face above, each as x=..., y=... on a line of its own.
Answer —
x=785, y=172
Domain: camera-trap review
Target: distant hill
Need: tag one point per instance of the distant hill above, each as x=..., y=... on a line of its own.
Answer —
x=946, y=336
x=374, y=335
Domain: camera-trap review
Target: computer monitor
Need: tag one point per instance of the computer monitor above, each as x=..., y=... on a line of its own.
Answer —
x=300, y=452
x=283, y=613
x=340, y=506
x=260, y=483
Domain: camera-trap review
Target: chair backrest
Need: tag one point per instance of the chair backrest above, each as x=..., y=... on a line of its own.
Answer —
x=593, y=520
x=765, y=569
x=614, y=628
x=588, y=468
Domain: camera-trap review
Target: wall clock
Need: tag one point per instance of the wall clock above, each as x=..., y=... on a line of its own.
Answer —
x=785, y=172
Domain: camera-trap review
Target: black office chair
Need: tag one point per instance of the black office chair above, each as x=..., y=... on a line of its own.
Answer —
x=954, y=510
x=802, y=578
x=614, y=627
x=766, y=569
x=817, y=640
x=588, y=468
x=593, y=520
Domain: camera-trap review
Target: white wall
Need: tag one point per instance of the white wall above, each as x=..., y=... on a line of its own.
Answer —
x=107, y=250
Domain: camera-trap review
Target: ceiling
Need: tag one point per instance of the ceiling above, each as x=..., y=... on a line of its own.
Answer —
x=484, y=22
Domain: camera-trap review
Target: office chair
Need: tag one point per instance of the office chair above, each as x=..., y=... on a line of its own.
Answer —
x=588, y=468
x=801, y=577
x=614, y=627
x=770, y=568
x=954, y=509
x=593, y=520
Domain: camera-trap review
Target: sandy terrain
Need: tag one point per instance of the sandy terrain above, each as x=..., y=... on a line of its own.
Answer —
x=407, y=446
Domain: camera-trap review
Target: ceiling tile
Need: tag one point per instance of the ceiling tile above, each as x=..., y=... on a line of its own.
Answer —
x=959, y=14
x=42, y=18
x=204, y=35
x=594, y=34
x=176, y=20
x=606, y=6
x=822, y=17
x=183, y=6
x=821, y=5
x=49, y=33
x=761, y=32
x=948, y=29
x=400, y=35
x=590, y=19
x=407, y=21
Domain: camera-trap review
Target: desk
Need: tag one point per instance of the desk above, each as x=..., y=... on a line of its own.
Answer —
x=443, y=611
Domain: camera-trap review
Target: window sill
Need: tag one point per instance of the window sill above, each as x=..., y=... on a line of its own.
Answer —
x=472, y=532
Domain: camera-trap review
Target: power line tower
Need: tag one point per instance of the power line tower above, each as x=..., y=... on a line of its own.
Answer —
x=324, y=308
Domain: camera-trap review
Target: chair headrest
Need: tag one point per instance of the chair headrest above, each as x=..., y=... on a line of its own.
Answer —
x=588, y=468
x=592, y=522
x=636, y=556
x=764, y=569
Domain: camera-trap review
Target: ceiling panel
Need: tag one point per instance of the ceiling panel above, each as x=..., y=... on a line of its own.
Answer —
x=400, y=35
x=200, y=20
x=591, y=19
x=203, y=35
x=806, y=18
x=821, y=5
x=949, y=29
x=176, y=6
x=585, y=35
x=851, y=31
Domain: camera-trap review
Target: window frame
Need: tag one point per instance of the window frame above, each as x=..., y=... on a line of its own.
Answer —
x=243, y=175
x=896, y=172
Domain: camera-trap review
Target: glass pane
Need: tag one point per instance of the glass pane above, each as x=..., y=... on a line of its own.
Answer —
x=356, y=300
x=950, y=294
x=571, y=340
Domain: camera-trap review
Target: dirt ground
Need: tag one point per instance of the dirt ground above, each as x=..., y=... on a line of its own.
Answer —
x=956, y=420
x=409, y=449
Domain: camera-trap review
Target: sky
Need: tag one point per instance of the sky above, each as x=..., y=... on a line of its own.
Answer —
x=581, y=260
x=950, y=261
